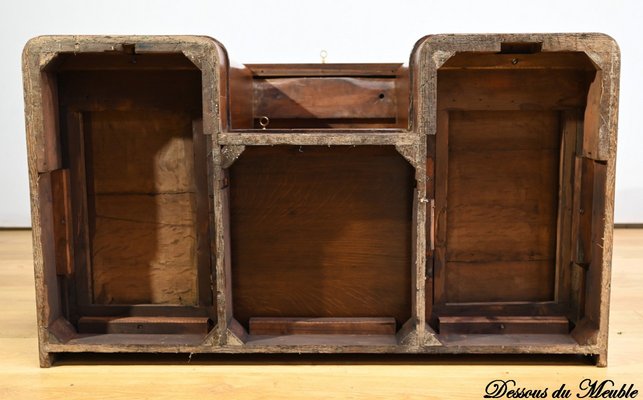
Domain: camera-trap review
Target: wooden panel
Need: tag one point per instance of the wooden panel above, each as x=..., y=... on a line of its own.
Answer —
x=503, y=186
x=501, y=206
x=504, y=325
x=340, y=97
x=143, y=241
x=511, y=90
x=557, y=60
x=321, y=232
x=500, y=281
x=144, y=325
x=312, y=326
x=128, y=90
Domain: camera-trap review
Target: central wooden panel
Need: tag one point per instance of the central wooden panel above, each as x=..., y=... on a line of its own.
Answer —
x=502, y=205
x=321, y=232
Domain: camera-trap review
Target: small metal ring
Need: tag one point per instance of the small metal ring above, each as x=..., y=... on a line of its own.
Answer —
x=264, y=121
x=323, y=54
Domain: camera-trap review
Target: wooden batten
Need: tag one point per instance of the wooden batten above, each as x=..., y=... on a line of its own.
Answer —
x=322, y=326
x=504, y=325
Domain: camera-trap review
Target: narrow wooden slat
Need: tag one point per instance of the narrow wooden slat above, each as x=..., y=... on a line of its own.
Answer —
x=118, y=61
x=504, y=325
x=202, y=220
x=341, y=137
x=306, y=326
x=280, y=70
x=340, y=97
x=144, y=325
x=546, y=60
x=592, y=121
x=62, y=221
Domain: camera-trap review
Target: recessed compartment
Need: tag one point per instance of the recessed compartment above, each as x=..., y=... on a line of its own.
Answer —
x=509, y=129
x=132, y=191
x=321, y=240
x=319, y=96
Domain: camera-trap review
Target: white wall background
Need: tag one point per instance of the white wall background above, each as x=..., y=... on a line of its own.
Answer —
x=296, y=31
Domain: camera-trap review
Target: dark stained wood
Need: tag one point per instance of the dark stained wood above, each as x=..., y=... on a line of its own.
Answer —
x=501, y=206
x=144, y=325
x=500, y=281
x=595, y=273
x=128, y=90
x=548, y=61
x=321, y=232
x=62, y=221
x=322, y=326
x=570, y=124
x=504, y=325
x=81, y=291
x=241, y=98
x=338, y=97
x=511, y=90
x=51, y=124
x=117, y=60
x=202, y=218
x=582, y=247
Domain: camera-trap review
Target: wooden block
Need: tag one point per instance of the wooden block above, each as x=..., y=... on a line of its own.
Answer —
x=144, y=325
x=504, y=325
x=316, y=326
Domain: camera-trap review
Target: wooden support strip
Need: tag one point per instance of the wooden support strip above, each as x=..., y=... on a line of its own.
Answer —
x=145, y=325
x=62, y=221
x=504, y=325
x=311, y=326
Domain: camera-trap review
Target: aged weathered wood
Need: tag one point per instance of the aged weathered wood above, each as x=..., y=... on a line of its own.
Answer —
x=328, y=326
x=445, y=195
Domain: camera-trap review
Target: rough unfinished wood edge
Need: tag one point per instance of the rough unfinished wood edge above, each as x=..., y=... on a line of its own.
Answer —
x=230, y=153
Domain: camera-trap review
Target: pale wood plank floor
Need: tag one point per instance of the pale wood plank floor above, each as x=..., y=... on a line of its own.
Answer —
x=21, y=378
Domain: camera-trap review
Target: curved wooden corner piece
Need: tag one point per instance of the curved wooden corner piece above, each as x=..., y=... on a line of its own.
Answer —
x=230, y=153
x=409, y=152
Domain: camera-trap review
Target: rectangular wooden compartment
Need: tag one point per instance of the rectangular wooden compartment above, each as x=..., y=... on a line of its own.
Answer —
x=458, y=204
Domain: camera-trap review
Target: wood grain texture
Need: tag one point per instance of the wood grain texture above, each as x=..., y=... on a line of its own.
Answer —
x=501, y=205
x=321, y=232
x=325, y=98
x=143, y=242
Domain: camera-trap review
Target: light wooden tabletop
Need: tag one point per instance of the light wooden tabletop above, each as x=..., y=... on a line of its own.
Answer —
x=129, y=377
